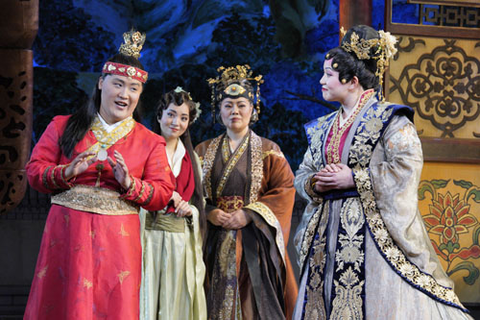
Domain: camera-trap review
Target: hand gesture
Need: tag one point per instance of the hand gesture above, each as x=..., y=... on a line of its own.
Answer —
x=120, y=170
x=218, y=217
x=334, y=176
x=176, y=199
x=183, y=209
x=237, y=220
x=79, y=164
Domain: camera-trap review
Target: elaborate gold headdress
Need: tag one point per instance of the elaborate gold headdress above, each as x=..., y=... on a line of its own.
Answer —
x=231, y=83
x=381, y=49
x=133, y=44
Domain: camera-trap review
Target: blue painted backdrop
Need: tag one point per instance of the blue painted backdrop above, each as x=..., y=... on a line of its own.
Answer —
x=187, y=41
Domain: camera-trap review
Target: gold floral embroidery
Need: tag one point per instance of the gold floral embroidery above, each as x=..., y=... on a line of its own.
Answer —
x=348, y=300
x=87, y=284
x=352, y=221
x=230, y=203
x=92, y=234
x=231, y=163
x=321, y=215
x=208, y=164
x=315, y=305
x=257, y=166
x=123, y=232
x=122, y=275
x=390, y=250
x=267, y=214
x=106, y=139
x=96, y=200
x=42, y=272
x=360, y=154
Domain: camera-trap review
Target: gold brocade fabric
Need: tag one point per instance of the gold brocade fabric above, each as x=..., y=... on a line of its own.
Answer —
x=95, y=200
x=230, y=203
x=105, y=139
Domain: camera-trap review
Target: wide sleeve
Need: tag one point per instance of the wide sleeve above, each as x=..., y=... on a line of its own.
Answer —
x=153, y=189
x=303, y=178
x=395, y=171
x=303, y=185
x=277, y=190
x=45, y=173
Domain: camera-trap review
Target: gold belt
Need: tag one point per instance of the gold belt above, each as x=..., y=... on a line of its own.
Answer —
x=96, y=200
x=160, y=221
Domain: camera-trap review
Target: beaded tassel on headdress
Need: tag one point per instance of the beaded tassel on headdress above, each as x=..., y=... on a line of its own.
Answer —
x=385, y=50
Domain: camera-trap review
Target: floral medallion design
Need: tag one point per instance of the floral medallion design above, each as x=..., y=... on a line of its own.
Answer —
x=449, y=217
x=443, y=85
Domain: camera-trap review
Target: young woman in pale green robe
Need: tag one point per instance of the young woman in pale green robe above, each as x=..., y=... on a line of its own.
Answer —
x=173, y=270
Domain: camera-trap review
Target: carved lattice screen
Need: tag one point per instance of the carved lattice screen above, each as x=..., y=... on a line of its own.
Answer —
x=437, y=72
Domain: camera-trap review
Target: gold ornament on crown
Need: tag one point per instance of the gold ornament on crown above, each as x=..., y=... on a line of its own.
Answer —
x=383, y=50
x=231, y=78
x=133, y=43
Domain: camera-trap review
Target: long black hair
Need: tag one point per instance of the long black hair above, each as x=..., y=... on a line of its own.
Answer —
x=81, y=120
x=348, y=65
x=179, y=98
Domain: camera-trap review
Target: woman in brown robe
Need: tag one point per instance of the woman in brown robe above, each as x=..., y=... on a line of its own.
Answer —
x=250, y=197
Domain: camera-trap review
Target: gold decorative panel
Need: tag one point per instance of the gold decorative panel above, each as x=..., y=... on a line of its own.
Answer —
x=440, y=79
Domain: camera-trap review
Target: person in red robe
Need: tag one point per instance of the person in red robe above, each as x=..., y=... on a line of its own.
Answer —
x=101, y=166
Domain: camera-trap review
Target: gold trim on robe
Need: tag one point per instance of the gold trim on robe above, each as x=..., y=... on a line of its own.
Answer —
x=96, y=200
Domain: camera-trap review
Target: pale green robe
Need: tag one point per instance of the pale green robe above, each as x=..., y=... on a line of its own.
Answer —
x=173, y=270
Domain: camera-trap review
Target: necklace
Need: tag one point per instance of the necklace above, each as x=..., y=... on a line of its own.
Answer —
x=333, y=152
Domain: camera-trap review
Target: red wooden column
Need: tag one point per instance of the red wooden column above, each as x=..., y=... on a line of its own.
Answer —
x=353, y=12
x=18, y=29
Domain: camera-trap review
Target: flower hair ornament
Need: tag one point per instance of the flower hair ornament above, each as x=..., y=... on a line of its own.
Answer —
x=197, y=104
x=133, y=44
x=381, y=49
x=234, y=82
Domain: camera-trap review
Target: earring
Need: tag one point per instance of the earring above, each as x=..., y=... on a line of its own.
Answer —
x=254, y=117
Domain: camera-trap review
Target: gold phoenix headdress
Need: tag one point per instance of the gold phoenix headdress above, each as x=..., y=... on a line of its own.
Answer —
x=134, y=41
x=231, y=83
x=381, y=49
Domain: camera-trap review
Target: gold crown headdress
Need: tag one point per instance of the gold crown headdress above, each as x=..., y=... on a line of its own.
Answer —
x=381, y=49
x=133, y=45
x=230, y=84
x=197, y=104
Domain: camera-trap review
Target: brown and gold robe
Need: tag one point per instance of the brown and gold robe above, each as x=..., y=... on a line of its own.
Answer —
x=249, y=274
